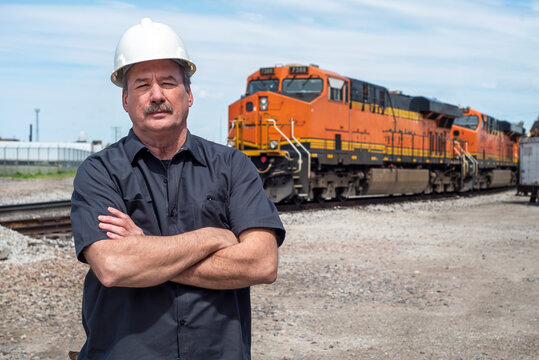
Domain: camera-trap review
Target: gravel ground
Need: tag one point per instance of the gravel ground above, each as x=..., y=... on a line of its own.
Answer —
x=453, y=279
x=14, y=191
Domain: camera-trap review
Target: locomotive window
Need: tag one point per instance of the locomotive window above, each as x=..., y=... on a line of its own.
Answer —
x=365, y=93
x=336, y=87
x=335, y=94
x=305, y=89
x=262, y=85
x=469, y=122
x=302, y=86
x=382, y=99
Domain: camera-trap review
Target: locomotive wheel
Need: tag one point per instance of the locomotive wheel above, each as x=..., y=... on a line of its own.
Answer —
x=341, y=194
x=296, y=200
x=318, y=195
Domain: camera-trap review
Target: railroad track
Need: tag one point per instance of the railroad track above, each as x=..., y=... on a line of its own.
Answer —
x=37, y=219
x=46, y=205
x=38, y=225
x=385, y=199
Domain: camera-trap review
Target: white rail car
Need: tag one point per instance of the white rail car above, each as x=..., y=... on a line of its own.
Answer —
x=529, y=167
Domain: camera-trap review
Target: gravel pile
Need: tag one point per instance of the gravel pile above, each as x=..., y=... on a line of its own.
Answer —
x=20, y=249
x=450, y=279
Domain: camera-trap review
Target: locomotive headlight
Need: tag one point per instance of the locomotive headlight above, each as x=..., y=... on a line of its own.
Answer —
x=263, y=103
x=273, y=144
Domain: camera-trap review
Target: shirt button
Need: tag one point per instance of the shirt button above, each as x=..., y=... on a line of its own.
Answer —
x=165, y=181
x=182, y=322
x=173, y=212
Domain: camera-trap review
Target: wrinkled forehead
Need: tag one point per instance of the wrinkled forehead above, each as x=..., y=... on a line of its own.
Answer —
x=154, y=68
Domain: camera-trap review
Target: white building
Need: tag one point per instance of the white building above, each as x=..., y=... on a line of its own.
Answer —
x=32, y=157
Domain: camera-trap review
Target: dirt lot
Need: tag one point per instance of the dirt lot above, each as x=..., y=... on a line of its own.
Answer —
x=454, y=279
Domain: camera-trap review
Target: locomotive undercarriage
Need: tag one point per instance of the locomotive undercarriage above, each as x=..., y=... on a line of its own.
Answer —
x=327, y=182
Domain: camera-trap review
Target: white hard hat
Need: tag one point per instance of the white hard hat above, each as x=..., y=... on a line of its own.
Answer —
x=148, y=41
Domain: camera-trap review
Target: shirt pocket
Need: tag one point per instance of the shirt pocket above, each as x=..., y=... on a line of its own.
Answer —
x=141, y=211
x=213, y=213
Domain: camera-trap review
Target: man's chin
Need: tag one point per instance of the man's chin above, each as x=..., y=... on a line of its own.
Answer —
x=162, y=127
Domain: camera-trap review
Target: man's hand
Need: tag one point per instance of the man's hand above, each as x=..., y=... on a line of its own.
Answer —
x=121, y=225
x=118, y=226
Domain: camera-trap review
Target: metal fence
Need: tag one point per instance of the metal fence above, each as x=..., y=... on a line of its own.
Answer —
x=44, y=160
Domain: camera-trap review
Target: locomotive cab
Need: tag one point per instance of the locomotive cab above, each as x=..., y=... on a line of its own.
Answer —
x=489, y=144
x=271, y=123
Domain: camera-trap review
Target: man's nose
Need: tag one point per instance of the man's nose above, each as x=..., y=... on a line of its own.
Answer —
x=156, y=94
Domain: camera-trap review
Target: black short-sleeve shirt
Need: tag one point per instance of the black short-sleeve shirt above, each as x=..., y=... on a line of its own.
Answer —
x=205, y=184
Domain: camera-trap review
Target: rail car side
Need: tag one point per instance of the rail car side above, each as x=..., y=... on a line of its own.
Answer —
x=529, y=168
x=315, y=134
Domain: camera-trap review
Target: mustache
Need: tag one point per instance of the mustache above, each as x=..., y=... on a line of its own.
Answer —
x=153, y=108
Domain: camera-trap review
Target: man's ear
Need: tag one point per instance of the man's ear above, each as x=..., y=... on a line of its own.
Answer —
x=191, y=100
x=124, y=99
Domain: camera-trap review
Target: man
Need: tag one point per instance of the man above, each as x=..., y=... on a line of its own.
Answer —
x=175, y=228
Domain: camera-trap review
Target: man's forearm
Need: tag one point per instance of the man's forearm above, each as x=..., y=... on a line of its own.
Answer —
x=253, y=261
x=143, y=261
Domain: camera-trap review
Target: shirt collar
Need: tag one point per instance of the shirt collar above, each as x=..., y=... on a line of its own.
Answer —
x=193, y=147
x=133, y=146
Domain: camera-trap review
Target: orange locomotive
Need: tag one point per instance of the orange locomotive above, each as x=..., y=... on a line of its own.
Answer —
x=315, y=134
x=492, y=148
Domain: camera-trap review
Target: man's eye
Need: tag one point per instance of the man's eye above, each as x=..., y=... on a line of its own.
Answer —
x=168, y=84
x=142, y=86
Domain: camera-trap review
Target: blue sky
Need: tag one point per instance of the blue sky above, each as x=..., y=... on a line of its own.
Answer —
x=58, y=55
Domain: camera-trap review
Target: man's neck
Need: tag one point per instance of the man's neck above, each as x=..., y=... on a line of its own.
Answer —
x=163, y=146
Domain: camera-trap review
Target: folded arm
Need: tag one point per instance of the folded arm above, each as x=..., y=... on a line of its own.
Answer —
x=131, y=259
x=209, y=257
x=252, y=261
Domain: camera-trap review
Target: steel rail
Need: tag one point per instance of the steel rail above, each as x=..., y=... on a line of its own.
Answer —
x=385, y=199
x=35, y=206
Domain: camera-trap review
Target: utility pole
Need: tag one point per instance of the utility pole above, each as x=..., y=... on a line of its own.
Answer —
x=30, y=137
x=116, y=131
x=37, y=125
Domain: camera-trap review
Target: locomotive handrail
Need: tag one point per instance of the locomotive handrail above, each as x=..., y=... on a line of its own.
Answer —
x=235, y=138
x=238, y=138
x=265, y=170
x=232, y=126
x=300, y=161
x=304, y=149
x=467, y=156
x=472, y=159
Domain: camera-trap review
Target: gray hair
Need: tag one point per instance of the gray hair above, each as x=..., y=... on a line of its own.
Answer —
x=181, y=64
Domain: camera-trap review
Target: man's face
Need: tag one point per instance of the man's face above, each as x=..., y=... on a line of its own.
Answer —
x=156, y=98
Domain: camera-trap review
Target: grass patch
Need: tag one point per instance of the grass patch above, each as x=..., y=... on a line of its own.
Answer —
x=41, y=176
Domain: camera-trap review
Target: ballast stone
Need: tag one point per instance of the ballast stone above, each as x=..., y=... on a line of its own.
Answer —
x=4, y=253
